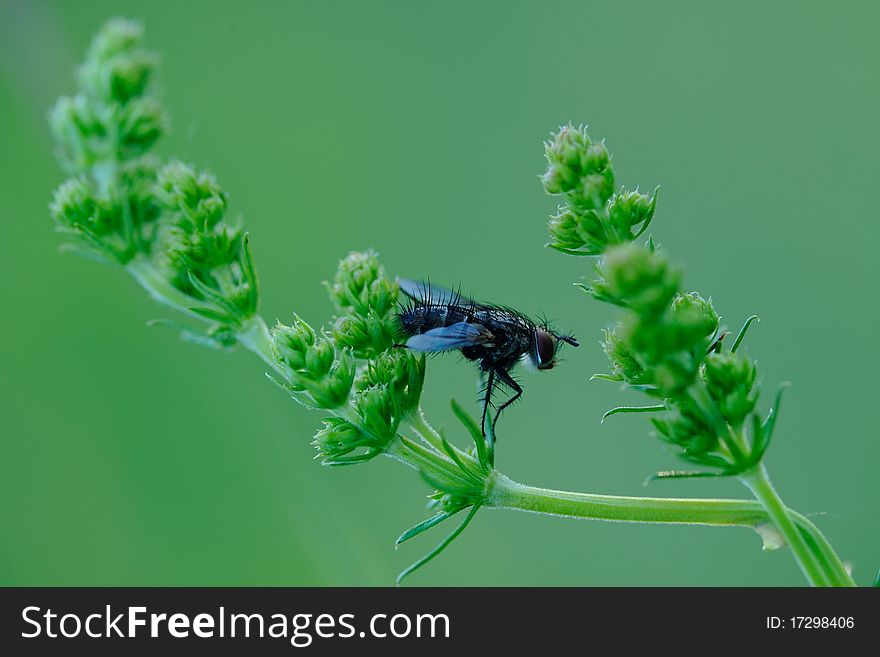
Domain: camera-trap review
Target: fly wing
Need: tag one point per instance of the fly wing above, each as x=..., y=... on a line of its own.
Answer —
x=446, y=338
x=426, y=293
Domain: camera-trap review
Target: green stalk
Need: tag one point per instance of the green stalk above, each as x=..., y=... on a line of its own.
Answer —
x=254, y=336
x=508, y=494
x=826, y=555
x=815, y=565
x=158, y=286
x=425, y=431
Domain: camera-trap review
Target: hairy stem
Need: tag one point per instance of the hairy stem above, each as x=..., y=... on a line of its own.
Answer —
x=425, y=431
x=508, y=494
x=812, y=546
x=813, y=562
x=254, y=336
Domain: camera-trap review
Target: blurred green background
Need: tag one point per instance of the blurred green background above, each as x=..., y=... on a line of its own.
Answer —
x=133, y=458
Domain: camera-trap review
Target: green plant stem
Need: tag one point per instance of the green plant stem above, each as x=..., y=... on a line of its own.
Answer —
x=158, y=287
x=254, y=336
x=814, y=566
x=508, y=494
x=820, y=545
x=425, y=431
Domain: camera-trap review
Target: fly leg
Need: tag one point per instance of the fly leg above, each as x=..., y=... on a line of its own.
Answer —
x=487, y=398
x=509, y=381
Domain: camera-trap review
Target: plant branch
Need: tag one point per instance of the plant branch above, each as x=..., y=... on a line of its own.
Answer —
x=815, y=567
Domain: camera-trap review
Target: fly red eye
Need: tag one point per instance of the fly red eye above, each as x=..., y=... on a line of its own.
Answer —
x=545, y=350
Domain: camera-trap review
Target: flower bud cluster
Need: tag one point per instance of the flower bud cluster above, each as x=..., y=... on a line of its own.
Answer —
x=207, y=257
x=595, y=216
x=388, y=384
x=317, y=373
x=669, y=345
x=104, y=133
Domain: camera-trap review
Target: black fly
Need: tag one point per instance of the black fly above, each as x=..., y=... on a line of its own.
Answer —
x=496, y=337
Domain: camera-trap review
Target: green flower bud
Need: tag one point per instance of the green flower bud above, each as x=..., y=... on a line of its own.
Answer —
x=696, y=318
x=636, y=278
x=366, y=336
x=360, y=285
x=293, y=342
x=627, y=210
x=671, y=350
x=97, y=220
x=379, y=413
x=595, y=188
x=674, y=374
x=596, y=158
x=625, y=365
x=564, y=231
x=128, y=77
x=141, y=123
x=116, y=37
x=578, y=168
x=74, y=205
x=339, y=438
x=139, y=178
x=451, y=502
x=401, y=371
x=565, y=153
x=576, y=230
x=687, y=327
x=731, y=381
x=685, y=428
x=81, y=132
x=312, y=366
x=196, y=197
x=115, y=70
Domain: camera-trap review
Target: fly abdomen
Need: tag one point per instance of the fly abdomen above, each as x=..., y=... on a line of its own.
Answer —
x=420, y=318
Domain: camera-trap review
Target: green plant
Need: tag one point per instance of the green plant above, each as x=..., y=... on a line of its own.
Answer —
x=166, y=225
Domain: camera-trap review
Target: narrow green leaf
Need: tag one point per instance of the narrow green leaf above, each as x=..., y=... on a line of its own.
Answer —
x=455, y=485
x=88, y=253
x=770, y=423
x=684, y=474
x=715, y=341
x=442, y=546
x=250, y=271
x=490, y=440
x=606, y=377
x=473, y=476
x=760, y=440
x=424, y=526
x=474, y=429
x=709, y=460
x=633, y=409
x=211, y=314
x=350, y=460
x=651, y=217
x=98, y=244
x=642, y=387
x=201, y=339
x=742, y=332
x=211, y=294
x=187, y=334
x=573, y=252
